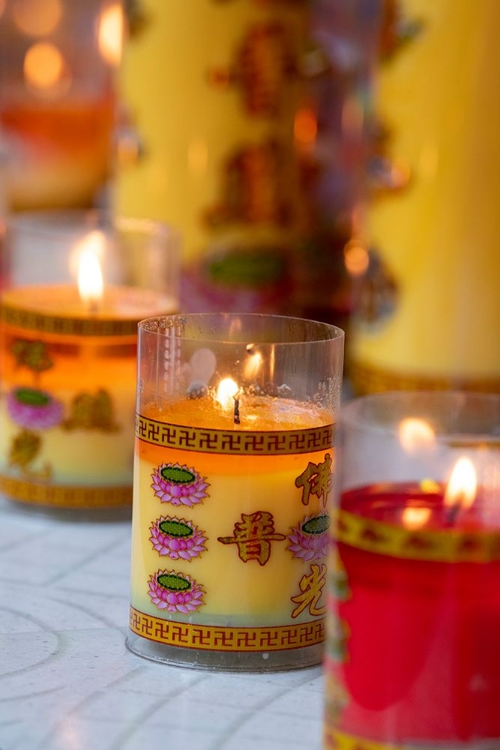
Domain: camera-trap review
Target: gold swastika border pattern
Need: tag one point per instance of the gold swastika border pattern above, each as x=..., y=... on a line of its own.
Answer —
x=204, y=440
x=334, y=740
x=64, y=325
x=219, y=638
x=65, y=496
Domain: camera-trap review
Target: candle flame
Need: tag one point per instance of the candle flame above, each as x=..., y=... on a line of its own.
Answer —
x=461, y=489
x=90, y=281
x=110, y=33
x=415, y=434
x=414, y=518
x=226, y=392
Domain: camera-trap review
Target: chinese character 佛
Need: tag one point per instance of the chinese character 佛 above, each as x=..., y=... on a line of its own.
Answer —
x=316, y=480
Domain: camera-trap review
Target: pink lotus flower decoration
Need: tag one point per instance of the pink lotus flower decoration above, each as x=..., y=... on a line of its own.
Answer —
x=177, y=538
x=175, y=592
x=178, y=485
x=34, y=409
x=310, y=540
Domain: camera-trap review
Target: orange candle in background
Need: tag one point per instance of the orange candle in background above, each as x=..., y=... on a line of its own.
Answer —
x=58, y=99
x=67, y=372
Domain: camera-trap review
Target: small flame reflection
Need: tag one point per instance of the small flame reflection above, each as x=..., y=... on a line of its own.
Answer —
x=415, y=434
x=415, y=518
x=253, y=362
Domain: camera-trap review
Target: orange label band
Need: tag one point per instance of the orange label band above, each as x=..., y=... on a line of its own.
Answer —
x=441, y=546
x=220, y=638
x=29, y=320
x=205, y=440
x=65, y=496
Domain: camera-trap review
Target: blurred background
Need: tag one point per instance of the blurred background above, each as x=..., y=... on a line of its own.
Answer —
x=332, y=159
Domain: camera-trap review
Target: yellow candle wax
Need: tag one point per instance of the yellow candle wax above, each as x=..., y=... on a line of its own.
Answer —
x=68, y=394
x=230, y=523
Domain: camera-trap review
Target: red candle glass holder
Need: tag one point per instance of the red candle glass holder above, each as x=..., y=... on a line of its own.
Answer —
x=413, y=637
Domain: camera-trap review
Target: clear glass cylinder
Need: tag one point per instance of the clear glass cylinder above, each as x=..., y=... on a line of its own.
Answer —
x=68, y=353
x=233, y=469
x=412, y=656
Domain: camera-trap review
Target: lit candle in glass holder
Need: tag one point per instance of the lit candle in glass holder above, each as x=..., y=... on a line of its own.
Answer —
x=413, y=644
x=233, y=470
x=68, y=372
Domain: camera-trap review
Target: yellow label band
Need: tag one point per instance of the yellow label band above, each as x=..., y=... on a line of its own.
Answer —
x=205, y=440
x=368, y=379
x=334, y=740
x=449, y=545
x=65, y=496
x=220, y=638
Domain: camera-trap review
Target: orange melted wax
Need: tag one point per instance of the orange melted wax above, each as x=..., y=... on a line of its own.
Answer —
x=256, y=413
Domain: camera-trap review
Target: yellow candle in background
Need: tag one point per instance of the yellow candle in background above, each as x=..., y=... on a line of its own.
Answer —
x=210, y=91
x=430, y=309
x=68, y=372
x=230, y=519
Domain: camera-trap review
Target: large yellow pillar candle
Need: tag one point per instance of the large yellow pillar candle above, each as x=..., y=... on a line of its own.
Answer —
x=230, y=527
x=431, y=319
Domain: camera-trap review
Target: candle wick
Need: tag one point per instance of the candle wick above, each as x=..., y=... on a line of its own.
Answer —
x=236, y=417
x=93, y=307
x=452, y=514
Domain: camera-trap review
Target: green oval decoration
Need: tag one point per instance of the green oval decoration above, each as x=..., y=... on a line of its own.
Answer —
x=175, y=528
x=316, y=525
x=32, y=397
x=173, y=583
x=177, y=475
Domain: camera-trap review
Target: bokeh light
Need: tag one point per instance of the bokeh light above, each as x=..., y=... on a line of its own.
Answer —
x=36, y=17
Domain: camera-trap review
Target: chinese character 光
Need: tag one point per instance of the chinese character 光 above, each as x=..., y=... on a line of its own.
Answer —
x=311, y=587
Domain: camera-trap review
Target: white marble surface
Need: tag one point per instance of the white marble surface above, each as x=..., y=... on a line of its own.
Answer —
x=67, y=681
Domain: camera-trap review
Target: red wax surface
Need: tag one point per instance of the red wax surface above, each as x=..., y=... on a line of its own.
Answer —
x=422, y=637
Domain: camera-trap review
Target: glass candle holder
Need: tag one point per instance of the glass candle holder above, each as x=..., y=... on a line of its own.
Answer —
x=59, y=99
x=233, y=469
x=413, y=638
x=77, y=285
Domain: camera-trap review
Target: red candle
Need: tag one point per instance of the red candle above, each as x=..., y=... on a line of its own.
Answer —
x=414, y=658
